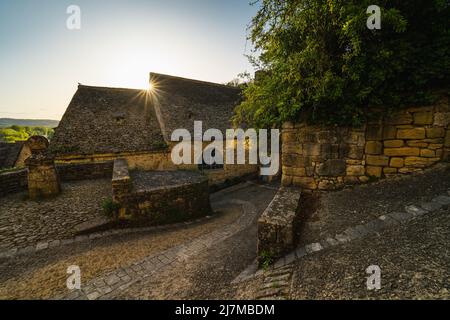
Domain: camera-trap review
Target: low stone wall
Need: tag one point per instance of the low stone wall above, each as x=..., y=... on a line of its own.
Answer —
x=14, y=181
x=159, y=197
x=277, y=225
x=327, y=158
x=85, y=171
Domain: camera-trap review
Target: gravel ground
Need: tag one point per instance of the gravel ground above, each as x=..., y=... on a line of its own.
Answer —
x=414, y=261
x=341, y=209
x=25, y=222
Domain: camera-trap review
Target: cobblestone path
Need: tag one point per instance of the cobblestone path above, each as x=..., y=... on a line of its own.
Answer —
x=25, y=222
x=115, y=265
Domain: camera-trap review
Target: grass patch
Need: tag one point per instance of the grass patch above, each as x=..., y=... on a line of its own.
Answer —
x=266, y=258
x=110, y=208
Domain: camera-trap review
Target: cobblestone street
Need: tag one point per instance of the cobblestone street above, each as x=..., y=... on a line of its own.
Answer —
x=110, y=262
x=25, y=222
x=213, y=258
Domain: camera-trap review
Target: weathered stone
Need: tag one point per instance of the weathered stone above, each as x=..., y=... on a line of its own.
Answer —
x=417, y=143
x=326, y=185
x=349, y=180
x=388, y=170
x=351, y=151
x=407, y=170
x=423, y=118
x=420, y=109
x=427, y=153
x=401, y=117
x=393, y=143
x=289, y=137
x=419, y=162
x=329, y=151
x=447, y=139
x=441, y=119
x=364, y=179
x=435, y=132
x=389, y=132
x=326, y=136
x=305, y=182
x=291, y=171
x=291, y=148
x=355, y=170
x=372, y=171
x=377, y=160
x=286, y=180
x=374, y=132
x=311, y=149
x=405, y=151
x=334, y=168
x=435, y=146
x=373, y=147
x=397, y=162
x=288, y=125
x=411, y=134
x=295, y=160
x=43, y=178
x=352, y=162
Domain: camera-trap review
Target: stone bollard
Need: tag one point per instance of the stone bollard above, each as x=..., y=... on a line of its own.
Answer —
x=43, y=179
x=121, y=186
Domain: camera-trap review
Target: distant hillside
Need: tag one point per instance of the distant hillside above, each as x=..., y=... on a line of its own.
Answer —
x=7, y=122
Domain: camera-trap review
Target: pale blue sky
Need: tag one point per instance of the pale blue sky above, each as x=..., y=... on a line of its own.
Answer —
x=119, y=43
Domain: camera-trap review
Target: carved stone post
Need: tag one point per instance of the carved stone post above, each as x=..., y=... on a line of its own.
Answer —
x=43, y=179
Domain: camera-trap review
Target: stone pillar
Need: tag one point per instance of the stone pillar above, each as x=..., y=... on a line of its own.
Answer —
x=43, y=179
x=121, y=186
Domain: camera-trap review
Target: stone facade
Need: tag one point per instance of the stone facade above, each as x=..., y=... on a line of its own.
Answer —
x=161, y=161
x=43, y=179
x=327, y=158
x=159, y=197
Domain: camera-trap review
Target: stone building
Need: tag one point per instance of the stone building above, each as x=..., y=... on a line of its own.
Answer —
x=109, y=123
x=13, y=154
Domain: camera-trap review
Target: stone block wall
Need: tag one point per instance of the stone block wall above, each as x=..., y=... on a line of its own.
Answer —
x=150, y=204
x=14, y=181
x=327, y=158
x=85, y=171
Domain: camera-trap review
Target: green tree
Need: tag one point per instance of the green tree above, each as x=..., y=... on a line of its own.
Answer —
x=320, y=62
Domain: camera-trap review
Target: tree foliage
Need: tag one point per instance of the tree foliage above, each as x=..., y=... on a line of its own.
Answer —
x=320, y=62
x=22, y=133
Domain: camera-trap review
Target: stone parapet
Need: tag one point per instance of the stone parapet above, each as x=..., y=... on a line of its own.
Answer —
x=277, y=224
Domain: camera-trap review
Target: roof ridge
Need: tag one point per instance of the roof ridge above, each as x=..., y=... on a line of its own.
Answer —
x=108, y=88
x=192, y=80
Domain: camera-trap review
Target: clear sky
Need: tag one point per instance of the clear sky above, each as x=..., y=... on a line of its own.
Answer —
x=119, y=43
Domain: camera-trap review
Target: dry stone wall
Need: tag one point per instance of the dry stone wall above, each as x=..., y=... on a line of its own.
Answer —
x=327, y=158
x=14, y=181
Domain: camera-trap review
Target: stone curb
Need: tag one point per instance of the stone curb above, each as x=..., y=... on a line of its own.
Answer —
x=51, y=244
